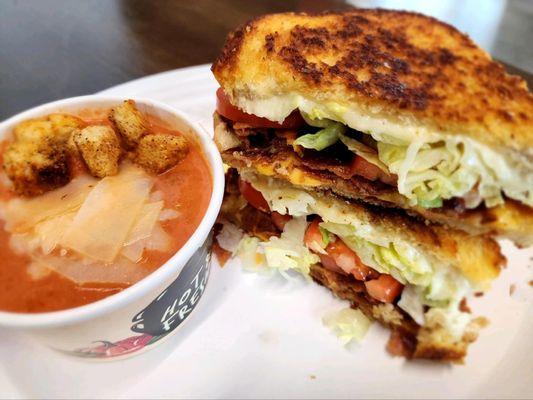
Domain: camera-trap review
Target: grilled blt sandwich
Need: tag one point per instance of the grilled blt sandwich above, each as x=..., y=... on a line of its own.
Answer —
x=412, y=277
x=393, y=108
x=335, y=125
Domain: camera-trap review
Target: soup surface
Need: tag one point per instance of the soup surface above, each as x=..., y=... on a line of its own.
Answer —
x=185, y=190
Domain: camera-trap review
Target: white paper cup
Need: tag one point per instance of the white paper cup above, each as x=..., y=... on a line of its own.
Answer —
x=133, y=320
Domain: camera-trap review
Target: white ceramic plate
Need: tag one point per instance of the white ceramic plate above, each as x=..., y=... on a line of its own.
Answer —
x=260, y=337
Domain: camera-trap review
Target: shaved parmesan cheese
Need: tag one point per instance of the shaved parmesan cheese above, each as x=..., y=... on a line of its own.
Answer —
x=50, y=231
x=105, y=219
x=159, y=240
x=156, y=196
x=142, y=229
x=143, y=226
x=37, y=270
x=91, y=231
x=168, y=214
x=134, y=251
x=22, y=214
x=120, y=271
x=23, y=243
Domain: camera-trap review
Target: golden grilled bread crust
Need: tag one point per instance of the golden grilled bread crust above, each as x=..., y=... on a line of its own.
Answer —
x=510, y=220
x=419, y=342
x=409, y=65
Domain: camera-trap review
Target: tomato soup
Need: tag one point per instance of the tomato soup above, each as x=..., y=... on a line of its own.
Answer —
x=180, y=196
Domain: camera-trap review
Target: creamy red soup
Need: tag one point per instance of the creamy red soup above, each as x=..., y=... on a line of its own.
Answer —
x=184, y=190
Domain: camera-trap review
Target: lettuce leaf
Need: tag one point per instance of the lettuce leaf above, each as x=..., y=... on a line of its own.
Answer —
x=323, y=138
x=429, y=173
x=251, y=258
x=402, y=261
x=229, y=237
x=411, y=303
x=287, y=200
x=348, y=324
x=288, y=252
x=316, y=122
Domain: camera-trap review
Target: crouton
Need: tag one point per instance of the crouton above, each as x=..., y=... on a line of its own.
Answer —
x=59, y=126
x=100, y=149
x=160, y=152
x=65, y=124
x=36, y=166
x=130, y=123
x=33, y=130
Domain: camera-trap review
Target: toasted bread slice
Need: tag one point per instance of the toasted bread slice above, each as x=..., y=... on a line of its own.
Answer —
x=400, y=68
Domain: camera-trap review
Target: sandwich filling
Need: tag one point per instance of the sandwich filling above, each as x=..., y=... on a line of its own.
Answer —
x=430, y=167
x=319, y=229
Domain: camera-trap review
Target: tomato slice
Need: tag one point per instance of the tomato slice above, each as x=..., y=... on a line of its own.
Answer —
x=372, y=172
x=385, y=288
x=329, y=263
x=348, y=261
x=366, y=169
x=313, y=237
x=280, y=219
x=253, y=196
x=228, y=110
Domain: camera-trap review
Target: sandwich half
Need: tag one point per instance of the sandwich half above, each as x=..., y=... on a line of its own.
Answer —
x=412, y=277
x=389, y=107
x=375, y=152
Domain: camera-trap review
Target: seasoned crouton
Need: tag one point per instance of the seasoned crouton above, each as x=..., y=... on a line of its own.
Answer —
x=160, y=152
x=130, y=123
x=100, y=149
x=65, y=124
x=33, y=130
x=59, y=126
x=36, y=166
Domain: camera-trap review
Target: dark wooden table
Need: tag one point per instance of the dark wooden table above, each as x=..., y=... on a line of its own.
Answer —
x=51, y=49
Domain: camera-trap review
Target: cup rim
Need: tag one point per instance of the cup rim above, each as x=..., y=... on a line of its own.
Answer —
x=170, y=267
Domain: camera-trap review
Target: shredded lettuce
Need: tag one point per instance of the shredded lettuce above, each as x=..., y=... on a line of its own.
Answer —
x=402, y=261
x=325, y=235
x=323, y=138
x=288, y=200
x=316, y=122
x=348, y=324
x=431, y=172
x=229, y=237
x=288, y=252
x=251, y=258
x=411, y=303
